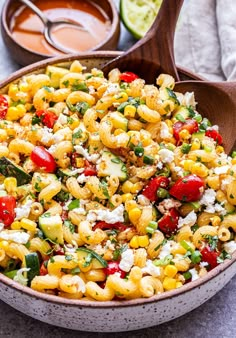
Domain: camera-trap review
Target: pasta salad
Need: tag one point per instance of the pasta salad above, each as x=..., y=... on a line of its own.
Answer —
x=110, y=188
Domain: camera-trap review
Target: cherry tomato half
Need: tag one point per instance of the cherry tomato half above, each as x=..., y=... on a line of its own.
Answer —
x=215, y=135
x=48, y=118
x=188, y=189
x=3, y=106
x=43, y=271
x=105, y=226
x=113, y=267
x=43, y=159
x=210, y=256
x=7, y=210
x=128, y=77
x=190, y=125
x=90, y=169
x=150, y=191
x=169, y=222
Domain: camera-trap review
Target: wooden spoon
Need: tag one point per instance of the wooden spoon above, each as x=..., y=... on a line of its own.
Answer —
x=154, y=53
x=217, y=102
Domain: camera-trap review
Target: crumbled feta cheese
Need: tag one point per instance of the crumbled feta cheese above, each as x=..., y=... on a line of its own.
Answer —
x=62, y=119
x=203, y=264
x=127, y=260
x=151, y=269
x=166, y=249
x=189, y=99
x=79, y=211
x=166, y=155
x=221, y=170
x=215, y=127
x=82, y=178
x=143, y=200
x=76, y=171
x=208, y=197
x=194, y=274
x=15, y=236
x=164, y=132
x=230, y=247
x=179, y=171
x=159, y=165
x=91, y=90
x=110, y=245
x=121, y=139
x=23, y=211
x=190, y=220
x=84, y=152
x=112, y=89
x=98, y=248
x=1, y=226
x=2, y=186
x=226, y=181
x=58, y=137
x=220, y=209
x=167, y=204
x=52, y=149
x=47, y=135
x=111, y=217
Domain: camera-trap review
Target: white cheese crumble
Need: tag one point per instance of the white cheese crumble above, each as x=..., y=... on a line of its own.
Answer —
x=62, y=119
x=151, y=269
x=203, y=264
x=111, y=217
x=142, y=200
x=84, y=152
x=226, y=181
x=113, y=88
x=190, y=220
x=194, y=274
x=127, y=260
x=166, y=155
x=166, y=249
x=82, y=179
x=47, y=135
x=179, y=171
x=167, y=204
x=23, y=211
x=189, y=99
x=230, y=247
x=1, y=226
x=221, y=170
x=79, y=211
x=215, y=127
x=16, y=236
x=208, y=200
x=52, y=149
x=164, y=132
x=159, y=165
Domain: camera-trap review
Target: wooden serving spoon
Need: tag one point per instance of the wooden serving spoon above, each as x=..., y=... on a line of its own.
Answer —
x=217, y=102
x=154, y=53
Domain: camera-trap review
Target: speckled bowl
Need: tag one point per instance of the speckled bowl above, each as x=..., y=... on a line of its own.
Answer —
x=112, y=316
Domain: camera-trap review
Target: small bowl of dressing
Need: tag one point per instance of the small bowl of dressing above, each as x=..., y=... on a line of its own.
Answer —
x=22, y=30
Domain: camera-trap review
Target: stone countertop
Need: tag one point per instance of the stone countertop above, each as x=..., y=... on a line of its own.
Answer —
x=215, y=318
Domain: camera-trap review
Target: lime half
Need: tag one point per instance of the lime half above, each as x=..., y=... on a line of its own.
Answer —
x=138, y=15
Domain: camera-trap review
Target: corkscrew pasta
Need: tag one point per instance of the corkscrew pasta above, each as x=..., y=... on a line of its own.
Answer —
x=110, y=188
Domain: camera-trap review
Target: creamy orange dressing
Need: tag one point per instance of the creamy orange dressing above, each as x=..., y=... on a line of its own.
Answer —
x=27, y=28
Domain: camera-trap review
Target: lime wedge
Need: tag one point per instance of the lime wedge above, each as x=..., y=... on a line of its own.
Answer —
x=138, y=15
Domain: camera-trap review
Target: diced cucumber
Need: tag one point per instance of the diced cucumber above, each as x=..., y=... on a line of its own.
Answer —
x=199, y=135
x=10, y=274
x=51, y=227
x=66, y=173
x=112, y=165
x=32, y=263
x=10, y=169
x=119, y=121
x=97, y=261
x=56, y=74
x=182, y=114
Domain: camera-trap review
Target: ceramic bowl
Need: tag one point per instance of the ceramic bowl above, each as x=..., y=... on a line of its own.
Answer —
x=112, y=316
x=25, y=56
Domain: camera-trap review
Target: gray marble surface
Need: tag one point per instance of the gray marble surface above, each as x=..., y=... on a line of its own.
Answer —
x=216, y=318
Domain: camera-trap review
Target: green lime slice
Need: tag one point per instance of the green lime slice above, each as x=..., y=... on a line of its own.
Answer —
x=138, y=15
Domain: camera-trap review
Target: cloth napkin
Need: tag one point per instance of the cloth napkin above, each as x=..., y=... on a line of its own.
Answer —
x=205, y=39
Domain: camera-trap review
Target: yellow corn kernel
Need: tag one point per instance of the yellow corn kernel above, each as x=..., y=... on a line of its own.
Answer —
x=4, y=245
x=127, y=186
x=76, y=67
x=233, y=161
x=130, y=111
x=28, y=224
x=136, y=187
x=130, y=204
x=24, y=87
x=187, y=164
x=170, y=271
x=80, y=162
x=178, y=285
x=126, y=197
x=143, y=241
x=12, y=114
x=213, y=182
x=169, y=283
x=134, y=243
x=178, y=249
x=13, y=90
x=184, y=134
x=3, y=135
x=146, y=141
x=121, y=97
x=21, y=110
x=219, y=149
x=118, y=131
x=16, y=225
x=10, y=184
x=134, y=215
x=199, y=169
x=196, y=144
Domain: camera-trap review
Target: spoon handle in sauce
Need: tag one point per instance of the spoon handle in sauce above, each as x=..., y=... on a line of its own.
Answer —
x=36, y=10
x=154, y=53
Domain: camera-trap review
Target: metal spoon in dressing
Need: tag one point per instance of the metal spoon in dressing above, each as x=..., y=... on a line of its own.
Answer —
x=49, y=25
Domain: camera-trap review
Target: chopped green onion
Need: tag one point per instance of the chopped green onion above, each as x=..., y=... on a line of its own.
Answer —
x=164, y=261
x=148, y=159
x=208, y=149
x=185, y=148
x=75, y=271
x=180, y=118
x=150, y=230
x=187, y=275
x=196, y=256
x=122, y=106
x=186, y=246
x=139, y=151
x=162, y=193
x=153, y=225
x=198, y=118
x=233, y=155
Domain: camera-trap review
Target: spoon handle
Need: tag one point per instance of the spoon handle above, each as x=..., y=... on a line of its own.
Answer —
x=36, y=10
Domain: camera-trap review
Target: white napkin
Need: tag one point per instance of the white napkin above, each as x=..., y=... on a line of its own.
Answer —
x=205, y=40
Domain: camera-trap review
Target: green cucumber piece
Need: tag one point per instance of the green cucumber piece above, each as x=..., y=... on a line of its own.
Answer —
x=32, y=263
x=10, y=274
x=51, y=227
x=66, y=173
x=10, y=169
x=119, y=121
x=97, y=263
x=112, y=165
x=199, y=135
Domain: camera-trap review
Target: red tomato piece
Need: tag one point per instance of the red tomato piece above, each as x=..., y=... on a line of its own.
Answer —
x=188, y=189
x=128, y=77
x=169, y=222
x=215, y=135
x=3, y=106
x=150, y=191
x=190, y=125
x=210, y=256
x=113, y=267
x=43, y=159
x=43, y=269
x=90, y=171
x=48, y=118
x=105, y=226
x=7, y=210
x=58, y=250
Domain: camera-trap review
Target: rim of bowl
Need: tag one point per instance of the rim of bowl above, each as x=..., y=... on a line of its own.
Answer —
x=115, y=24
x=109, y=304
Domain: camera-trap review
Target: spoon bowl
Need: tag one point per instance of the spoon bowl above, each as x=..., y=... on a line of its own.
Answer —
x=217, y=102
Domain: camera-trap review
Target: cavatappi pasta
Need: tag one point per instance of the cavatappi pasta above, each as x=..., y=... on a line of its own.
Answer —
x=110, y=188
